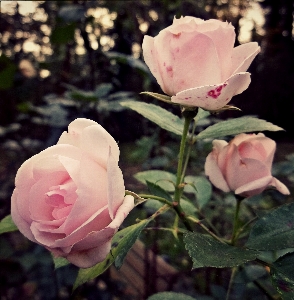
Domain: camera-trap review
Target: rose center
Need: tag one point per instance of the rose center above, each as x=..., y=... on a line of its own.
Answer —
x=61, y=199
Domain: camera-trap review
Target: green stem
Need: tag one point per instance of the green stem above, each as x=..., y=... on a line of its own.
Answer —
x=233, y=274
x=182, y=215
x=236, y=221
x=190, y=146
x=179, y=187
x=161, y=199
x=207, y=230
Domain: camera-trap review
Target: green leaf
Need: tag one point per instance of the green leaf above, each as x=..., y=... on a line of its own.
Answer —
x=158, y=115
x=201, y=114
x=236, y=126
x=170, y=296
x=200, y=187
x=63, y=33
x=283, y=276
x=135, y=63
x=7, y=72
x=163, y=179
x=206, y=251
x=81, y=95
x=60, y=262
x=156, y=190
x=161, y=97
x=121, y=244
x=273, y=231
x=7, y=225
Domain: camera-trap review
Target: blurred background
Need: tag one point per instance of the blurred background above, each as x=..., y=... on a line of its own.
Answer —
x=60, y=60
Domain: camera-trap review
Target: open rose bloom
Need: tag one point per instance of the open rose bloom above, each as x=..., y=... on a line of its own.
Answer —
x=70, y=197
x=243, y=165
x=195, y=62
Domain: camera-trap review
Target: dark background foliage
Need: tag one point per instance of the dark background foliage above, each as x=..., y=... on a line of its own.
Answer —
x=67, y=59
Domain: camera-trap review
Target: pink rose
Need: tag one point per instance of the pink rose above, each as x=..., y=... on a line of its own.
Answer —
x=243, y=165
x=70, y=197
x=195, y=62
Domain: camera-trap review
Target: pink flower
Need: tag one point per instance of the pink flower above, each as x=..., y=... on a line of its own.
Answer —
x=243, y=165
x=195, y=62
x=70, y=197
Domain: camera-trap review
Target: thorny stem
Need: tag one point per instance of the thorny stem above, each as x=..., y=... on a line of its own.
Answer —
x=236, y=221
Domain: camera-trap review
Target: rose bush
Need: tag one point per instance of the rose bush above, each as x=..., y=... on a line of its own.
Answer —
x=243, y=165
x=70, y=197
x=195, y=62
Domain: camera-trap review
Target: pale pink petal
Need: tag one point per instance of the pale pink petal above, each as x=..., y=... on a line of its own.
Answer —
x=47, y=161
x=89, y=257
x=94, y=238
x=220, y=150
x=191, y=66
x=43, y=235
x=72, y=167
x=95, y=223
x=127, y=205
x=254, y=187
x=75, y=129
x=22, y=223
x=240, y=138
x=96, y=141
x=242, y=171
x=243, y=56
x=214, y=173
x=260, y=148
x=279, y=186
x=38, y=206
x=213, y=97
x=165, y=60
x=223, y=37
x=116, y=188
x=150, y=58
x=91, y=194
x=95, y=247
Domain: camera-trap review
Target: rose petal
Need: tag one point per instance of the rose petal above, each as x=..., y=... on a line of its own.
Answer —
x=254, y=187
x=96, y=141
x=95, y=223
x=223, y=37
x=213, y=97
x=75, y=129
x=22, y=223
x=93, y=238
x=91, y=194
x=165, y=61
x=204, y=66
x=99, y=242
x=214, y=173
x=88, y=258
x=116, y=188
x=243, y=55
x=72, y=167
x=38, y=206
x=242, y=171
x=279, y=186
x=150, y=58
